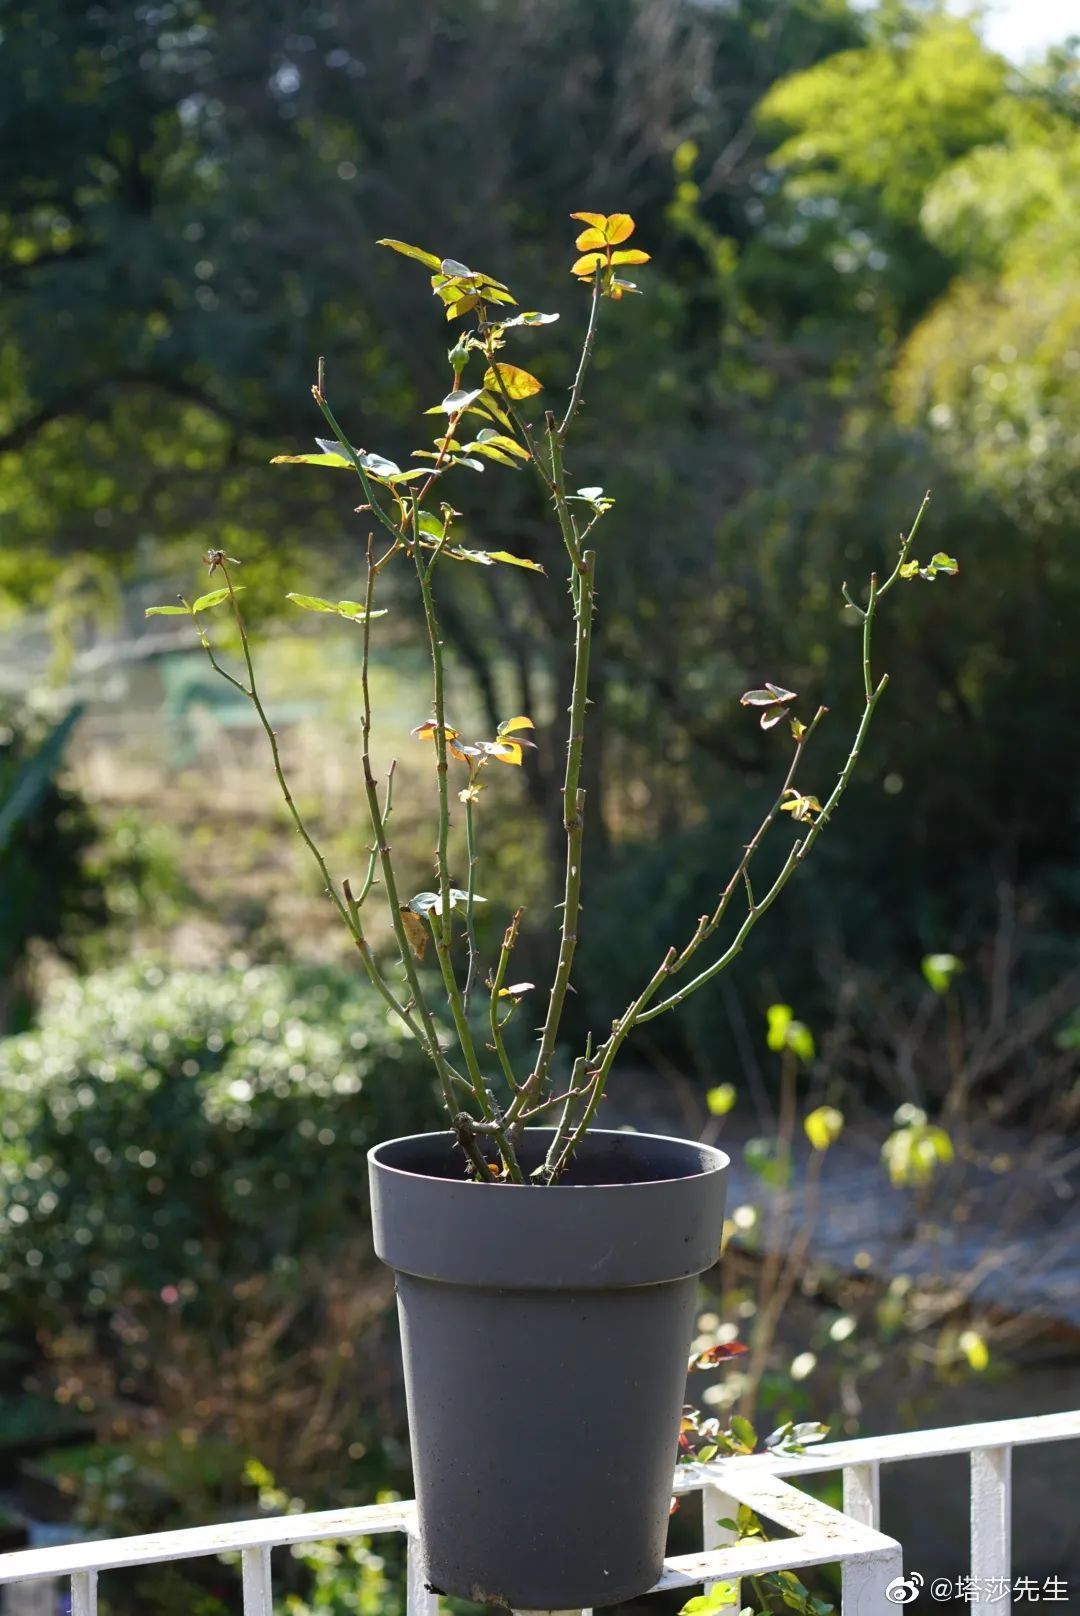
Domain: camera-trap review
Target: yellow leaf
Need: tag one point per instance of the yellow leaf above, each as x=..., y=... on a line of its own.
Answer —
x=618, y=227
x=509, y=725
x=588, y=264
x=408, y=251
x=517, y=382
x=590, y=238
x=426, y=731
x=514, y=561
x=630, y=255
x=505, y=752
x=974, y=1349
x=721, y=1099
x=597, y=219
x=823, y=1126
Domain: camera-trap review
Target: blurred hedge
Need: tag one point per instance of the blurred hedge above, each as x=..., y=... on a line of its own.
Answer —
x=183, y=1129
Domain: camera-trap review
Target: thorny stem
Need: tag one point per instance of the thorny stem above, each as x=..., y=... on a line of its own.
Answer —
x=583, y=363
x=470, y=900
x=573, y=823
x=497, y=983
x=801, y=848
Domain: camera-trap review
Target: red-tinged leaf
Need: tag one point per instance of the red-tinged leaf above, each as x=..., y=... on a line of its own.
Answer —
x=426, y=731
x=673, y=1506
x=721, y=1353
x=767, y=697
x=772, y=716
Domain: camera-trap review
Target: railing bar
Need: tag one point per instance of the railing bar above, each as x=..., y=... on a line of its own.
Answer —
x=895, y=1449
x=258, y=1596
x=862, y=1492
x=991, y=1530
x=419, y=1599
x=84, y=1593
x=189, y=1542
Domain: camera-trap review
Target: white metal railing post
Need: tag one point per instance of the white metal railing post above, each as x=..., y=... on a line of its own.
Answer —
x=991, y=1529
x=419, y=1599
x=862, y=1492
x=84, y=1593
x=717, y=1506
x=258, y=1594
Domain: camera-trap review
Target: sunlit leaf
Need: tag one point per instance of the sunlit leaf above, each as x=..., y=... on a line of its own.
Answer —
x=974, y=1349
x=350, y=609
x=517, y=382
x=940, y=969
x=168, y=611
x=719, y=1353
x=530, y=317
x=459, y=400
x=206, y=603
x=587, y=264
x=618, y=227
x=408, y=251
x=745, y=1432
x=499, y=440
x=766, y=697
x=720, y=1099
x=509, y=725
x=516, y=989
x=505, y=751
x=514, y=561
x=630, y=255
x=337, y=461
x=823, y=1126
x=590, y=239
x=458, y=271
x=427, y=731
x=596, y=219
x=379, y=466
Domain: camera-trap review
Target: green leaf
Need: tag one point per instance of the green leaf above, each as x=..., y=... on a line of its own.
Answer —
x=940, y=969
x=168, y=611
x=408, y=251
x=349, y=609
x=744, y=1431
x=499, y=440
x=945, y=563
x=910, y=569
x=778, y=1018
x=720, y=1595
x=720, y=1099
x=206, y=603
x=336, y=462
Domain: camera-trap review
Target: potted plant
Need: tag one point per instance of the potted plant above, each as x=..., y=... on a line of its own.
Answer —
x=546, y=1269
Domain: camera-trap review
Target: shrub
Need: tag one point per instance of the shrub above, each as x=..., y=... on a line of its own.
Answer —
x=174, y=1132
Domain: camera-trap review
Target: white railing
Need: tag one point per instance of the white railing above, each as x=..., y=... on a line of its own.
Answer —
x=870, y=1561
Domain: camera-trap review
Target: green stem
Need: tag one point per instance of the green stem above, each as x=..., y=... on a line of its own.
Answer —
x=497, y=983
x=583, y=363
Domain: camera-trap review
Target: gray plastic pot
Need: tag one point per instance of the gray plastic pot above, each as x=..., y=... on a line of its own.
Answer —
x=545, y=1334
